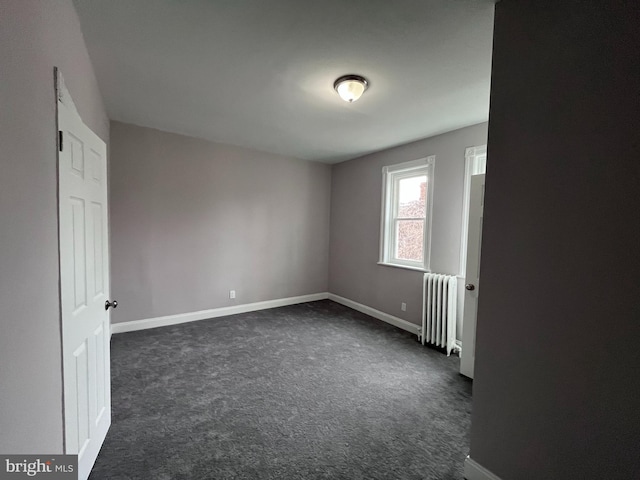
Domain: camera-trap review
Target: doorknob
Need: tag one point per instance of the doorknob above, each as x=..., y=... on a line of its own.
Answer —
x=108, y=304
x=470, y=286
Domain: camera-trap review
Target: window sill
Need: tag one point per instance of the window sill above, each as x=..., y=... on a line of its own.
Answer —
x=406, y=267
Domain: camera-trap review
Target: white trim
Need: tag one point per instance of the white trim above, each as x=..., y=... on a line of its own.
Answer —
x=410, y=165
x=213, y=313
x=385, y=317
x=155, y=322
x=389, y=175
x=408, y=267
x=474, y=471
x=475, y=162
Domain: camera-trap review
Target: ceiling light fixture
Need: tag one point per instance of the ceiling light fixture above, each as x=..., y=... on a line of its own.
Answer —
x=351, y=87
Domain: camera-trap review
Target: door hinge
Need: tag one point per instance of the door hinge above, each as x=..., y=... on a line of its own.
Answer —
x=60, y=140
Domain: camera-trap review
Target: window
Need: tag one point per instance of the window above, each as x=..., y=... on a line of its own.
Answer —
x=406, y=214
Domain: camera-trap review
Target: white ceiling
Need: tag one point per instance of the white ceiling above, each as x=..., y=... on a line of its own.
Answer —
x=260, y=73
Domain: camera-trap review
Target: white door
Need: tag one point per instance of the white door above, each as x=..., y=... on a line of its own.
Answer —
x=472, y=285
x=84, y=284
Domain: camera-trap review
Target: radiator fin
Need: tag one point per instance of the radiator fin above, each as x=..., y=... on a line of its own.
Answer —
x=439, y=312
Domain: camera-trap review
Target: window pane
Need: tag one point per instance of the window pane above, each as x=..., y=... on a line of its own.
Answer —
x=412, y=195
x=409, y=240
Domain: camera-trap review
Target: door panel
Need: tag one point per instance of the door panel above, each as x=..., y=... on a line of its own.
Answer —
x=98, y=249
x=84, y=279
x=83, y=422
x=474, y=239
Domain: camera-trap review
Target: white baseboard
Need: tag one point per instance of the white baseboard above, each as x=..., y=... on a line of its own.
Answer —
x=155, y=322
x=474, y=471
x=385, y=317
x=213, y=313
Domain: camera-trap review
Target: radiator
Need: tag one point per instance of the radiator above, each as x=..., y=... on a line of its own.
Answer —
x=439, y=311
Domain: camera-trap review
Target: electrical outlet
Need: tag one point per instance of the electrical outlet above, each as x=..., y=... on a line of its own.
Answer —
x=403, y=307
x=232, y=294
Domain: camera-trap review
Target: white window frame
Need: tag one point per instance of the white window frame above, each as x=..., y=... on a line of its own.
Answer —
x=391, y=175
x=475, y=163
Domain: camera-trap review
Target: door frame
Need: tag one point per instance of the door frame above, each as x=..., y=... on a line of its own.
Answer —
x=475, y=163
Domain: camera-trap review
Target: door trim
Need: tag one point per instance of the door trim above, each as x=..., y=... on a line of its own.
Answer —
x=61, y=96
x=475, y=162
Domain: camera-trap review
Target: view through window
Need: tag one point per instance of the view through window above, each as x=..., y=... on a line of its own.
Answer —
x=410, y=219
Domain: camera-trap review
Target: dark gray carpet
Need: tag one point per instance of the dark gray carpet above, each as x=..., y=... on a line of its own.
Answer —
x=309, y=391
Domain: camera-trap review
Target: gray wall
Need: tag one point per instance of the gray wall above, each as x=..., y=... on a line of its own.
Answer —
x=191, y=220
x=35, y=36
x=556, y=379
x=356, y=199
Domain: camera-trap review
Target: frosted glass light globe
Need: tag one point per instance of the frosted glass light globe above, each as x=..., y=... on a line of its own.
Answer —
x=351, y=87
